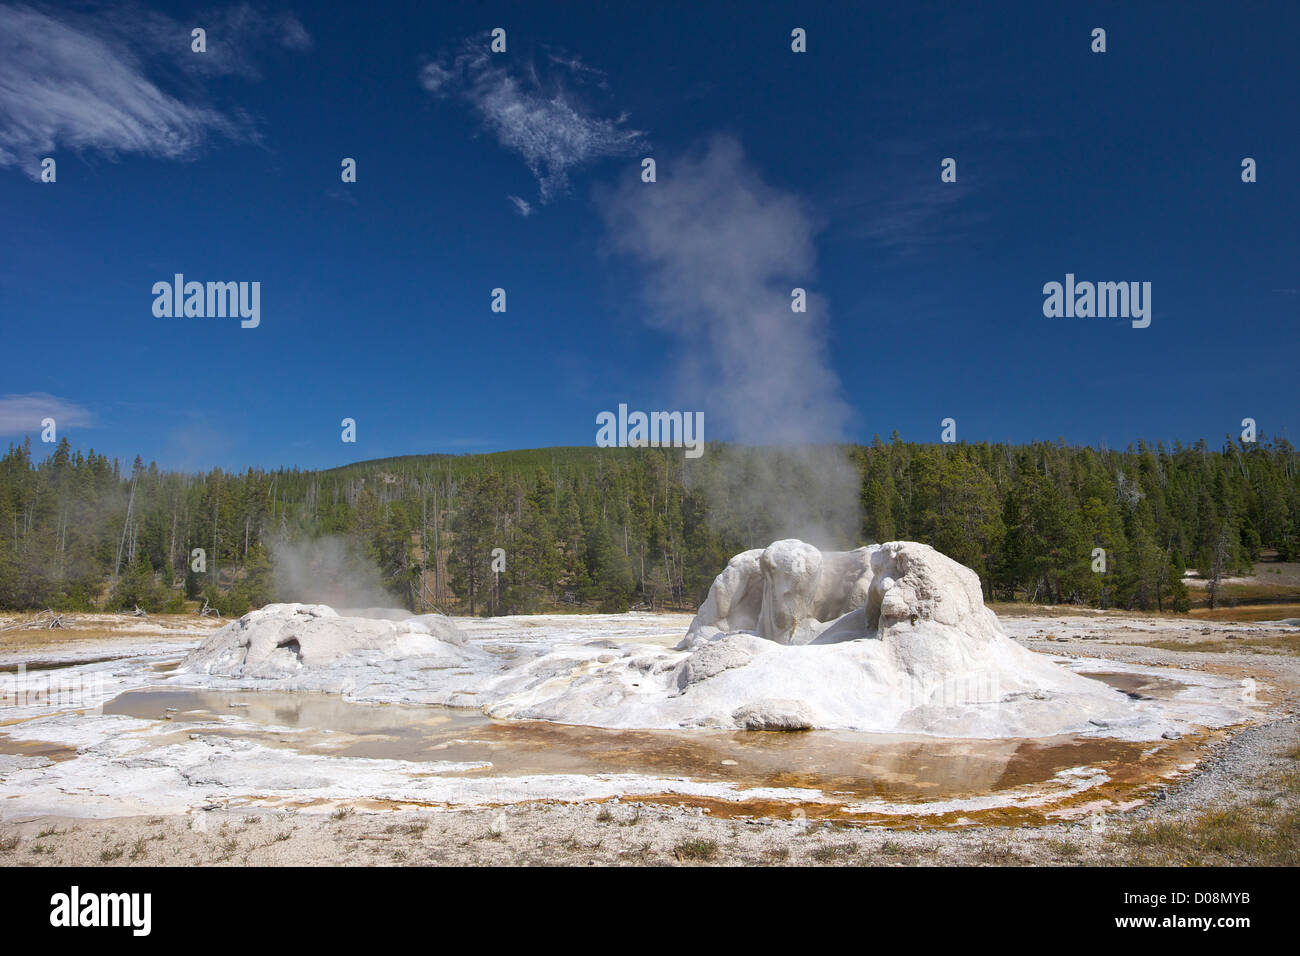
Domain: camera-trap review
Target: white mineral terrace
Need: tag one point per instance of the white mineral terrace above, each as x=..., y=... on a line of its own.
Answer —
x=873, y=649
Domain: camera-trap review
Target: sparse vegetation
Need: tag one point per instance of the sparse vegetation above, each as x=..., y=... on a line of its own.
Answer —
x=1242, y=835
x=836, y=853
x=997, y=854
x=1064, y=848
x=1273, y=644
x=1264, y=831
x=414, y=830
x=696, y=850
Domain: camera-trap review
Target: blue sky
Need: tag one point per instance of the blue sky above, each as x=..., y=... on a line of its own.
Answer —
x=775, y=170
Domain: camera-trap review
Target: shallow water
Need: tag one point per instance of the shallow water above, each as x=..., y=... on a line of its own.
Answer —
x=849, y=766
x=1138, y=686
x=31, y=667
x=34, y=748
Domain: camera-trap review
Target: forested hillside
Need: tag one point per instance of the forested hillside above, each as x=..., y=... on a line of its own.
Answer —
x=618, y=528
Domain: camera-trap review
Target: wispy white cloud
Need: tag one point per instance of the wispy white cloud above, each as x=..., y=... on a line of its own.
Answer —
x=238, y=38
x=895, y=199
x=915, y=220
x=346, y=194
x=22, y=414
x=121, y=80
x=523, y=206
x=540, y=116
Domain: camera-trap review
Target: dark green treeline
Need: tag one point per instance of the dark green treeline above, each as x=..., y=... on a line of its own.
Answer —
x=616, y=528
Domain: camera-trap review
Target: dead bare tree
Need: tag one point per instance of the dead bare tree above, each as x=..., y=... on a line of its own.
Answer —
x=130, y=513
x=424, y=592
x=1220, y=565
x=45, y=620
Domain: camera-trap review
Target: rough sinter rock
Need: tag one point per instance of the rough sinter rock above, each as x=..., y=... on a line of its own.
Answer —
x=892, y=638
x=791, y=593
x=281, y=639
x=887, y=639
x=775, y=714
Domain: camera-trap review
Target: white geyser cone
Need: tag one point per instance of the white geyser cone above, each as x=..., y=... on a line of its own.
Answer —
x=892, y=638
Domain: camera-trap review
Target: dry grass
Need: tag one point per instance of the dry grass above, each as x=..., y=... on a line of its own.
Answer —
x=998, y=854
x=1262, y=832
x=1275, y=644
x=1250, y=835
x=696, y=850
x=834, y=854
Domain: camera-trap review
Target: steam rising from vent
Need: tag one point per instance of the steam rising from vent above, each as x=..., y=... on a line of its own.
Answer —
x=332, y=570
x=762, y=493
x=725, y=250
